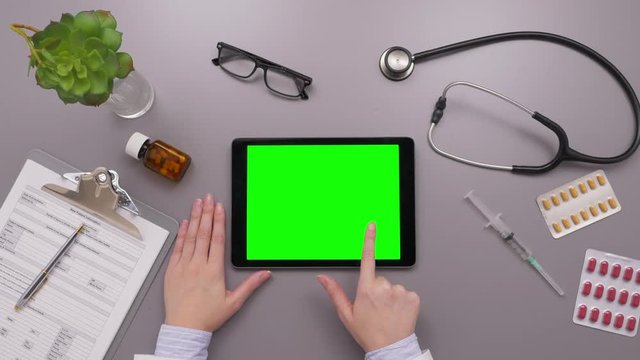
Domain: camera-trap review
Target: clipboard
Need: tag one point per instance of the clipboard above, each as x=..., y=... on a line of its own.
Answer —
x=148, y=213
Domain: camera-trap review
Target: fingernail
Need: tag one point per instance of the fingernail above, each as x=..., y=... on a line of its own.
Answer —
x=184, y=222
x=372, y=226
x=197, y=202
x=208, y=198
x=219, y=207
x=266, y=274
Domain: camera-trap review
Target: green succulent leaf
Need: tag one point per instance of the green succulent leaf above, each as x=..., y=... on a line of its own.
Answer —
x=107, y=21
x=77, y=56
x=112, y=39
x=53, y=31
x=94, y=43
x=47, y=56
x=46, y=79
x=93, y=99
x=99, y=82
x=66, y=82
x=66, y=97
x=111, y=64
x=67, y=19
x=94, y=61
x=126, y=65
x=64, y=69
x=81, y=70
x=76, y=42
x=88, y=23
x=81, y=87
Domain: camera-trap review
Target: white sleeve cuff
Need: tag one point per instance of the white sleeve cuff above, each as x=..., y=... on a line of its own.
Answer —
x=405, y=349
x=425, y=356
x=176, y=342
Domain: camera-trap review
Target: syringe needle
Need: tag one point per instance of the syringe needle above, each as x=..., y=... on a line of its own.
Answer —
x=545, y=275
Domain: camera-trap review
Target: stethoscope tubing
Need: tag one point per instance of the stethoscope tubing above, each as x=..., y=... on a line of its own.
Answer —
x=565, y=153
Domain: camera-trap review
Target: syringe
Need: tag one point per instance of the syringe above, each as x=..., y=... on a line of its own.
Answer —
x=507, y=235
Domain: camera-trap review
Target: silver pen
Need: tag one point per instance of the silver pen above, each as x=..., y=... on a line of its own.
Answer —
x=37, y=283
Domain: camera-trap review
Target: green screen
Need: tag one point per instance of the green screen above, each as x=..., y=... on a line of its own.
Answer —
x=313, y=202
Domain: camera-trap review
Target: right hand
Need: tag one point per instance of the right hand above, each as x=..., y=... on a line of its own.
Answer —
x=382, y=313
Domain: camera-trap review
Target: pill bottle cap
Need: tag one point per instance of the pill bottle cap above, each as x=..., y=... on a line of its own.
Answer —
x=135, y=143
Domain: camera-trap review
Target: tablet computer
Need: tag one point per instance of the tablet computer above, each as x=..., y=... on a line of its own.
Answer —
x=306, y=202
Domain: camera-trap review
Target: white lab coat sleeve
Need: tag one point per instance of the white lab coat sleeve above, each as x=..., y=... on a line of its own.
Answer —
x=425, y=356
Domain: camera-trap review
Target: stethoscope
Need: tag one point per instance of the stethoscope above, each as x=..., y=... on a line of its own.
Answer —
x=397, y=63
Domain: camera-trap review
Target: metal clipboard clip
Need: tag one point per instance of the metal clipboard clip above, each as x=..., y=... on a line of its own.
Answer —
x=100, y=194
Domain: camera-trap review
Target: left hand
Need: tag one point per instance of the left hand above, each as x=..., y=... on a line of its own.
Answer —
x=195, y=293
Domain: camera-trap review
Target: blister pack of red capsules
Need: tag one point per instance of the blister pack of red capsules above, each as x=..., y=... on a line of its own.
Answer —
x=609, y=293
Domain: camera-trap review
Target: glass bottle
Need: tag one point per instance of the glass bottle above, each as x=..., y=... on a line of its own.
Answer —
x=158, y=156
x=131, y=97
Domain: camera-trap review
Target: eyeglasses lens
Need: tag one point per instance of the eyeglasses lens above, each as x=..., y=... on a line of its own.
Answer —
x=283, y=82
x=236, y=63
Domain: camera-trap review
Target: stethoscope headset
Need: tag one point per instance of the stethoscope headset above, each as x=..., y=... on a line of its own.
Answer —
x=397, y=63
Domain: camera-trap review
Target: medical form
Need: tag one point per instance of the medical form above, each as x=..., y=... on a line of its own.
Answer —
x=80, y=308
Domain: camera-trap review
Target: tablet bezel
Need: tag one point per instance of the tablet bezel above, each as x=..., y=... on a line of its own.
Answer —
x=239, y=201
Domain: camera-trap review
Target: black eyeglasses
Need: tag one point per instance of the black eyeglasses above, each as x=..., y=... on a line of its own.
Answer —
x=279, y=79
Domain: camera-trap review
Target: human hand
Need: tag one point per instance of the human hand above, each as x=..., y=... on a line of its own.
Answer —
x=195, y=294
x=382, y=313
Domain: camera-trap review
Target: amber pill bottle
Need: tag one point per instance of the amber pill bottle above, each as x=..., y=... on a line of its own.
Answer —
x=158, y=156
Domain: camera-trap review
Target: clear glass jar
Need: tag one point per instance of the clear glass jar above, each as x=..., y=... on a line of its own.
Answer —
x=131, y=97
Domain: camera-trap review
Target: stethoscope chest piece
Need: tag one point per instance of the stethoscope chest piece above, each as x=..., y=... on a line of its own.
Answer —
x=396, y=63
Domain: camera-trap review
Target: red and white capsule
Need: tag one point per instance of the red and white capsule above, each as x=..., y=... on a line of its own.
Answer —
x=595, y=314
x=606, y=317
x=582, y=312
x=591, y=264
x=586, y=288
x=599, y=291
x=628, y=273
x=615, y=270
x=631, y=323
x=604, y=267
x=635, y=300
x=619, y=321
x=611, y=293
x=623, y=297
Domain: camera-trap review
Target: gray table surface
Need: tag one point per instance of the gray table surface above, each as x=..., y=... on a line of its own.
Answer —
x=479, y=300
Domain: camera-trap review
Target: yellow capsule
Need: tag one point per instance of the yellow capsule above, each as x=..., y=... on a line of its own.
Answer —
x=574, y=192
x=555, y=200
x=612, y=203
x=566, y=223
x=575, y=219
x=594, y=210
x=584, y=214
x=564, y=195
x=592, y=184
x=583, y=188
x=557, y=227
x=601, y=179
x=546, y=204
x=603, y=206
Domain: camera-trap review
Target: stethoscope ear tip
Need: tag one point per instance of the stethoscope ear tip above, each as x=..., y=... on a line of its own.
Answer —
x=396, y=63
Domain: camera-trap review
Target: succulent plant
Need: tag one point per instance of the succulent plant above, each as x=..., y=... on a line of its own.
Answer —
x=77, y=56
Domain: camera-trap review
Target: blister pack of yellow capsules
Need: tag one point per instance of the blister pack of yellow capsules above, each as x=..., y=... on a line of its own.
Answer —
x=579, y=203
